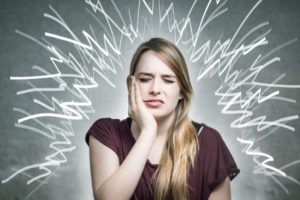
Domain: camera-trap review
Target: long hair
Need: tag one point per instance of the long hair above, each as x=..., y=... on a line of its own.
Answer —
x=181, y=146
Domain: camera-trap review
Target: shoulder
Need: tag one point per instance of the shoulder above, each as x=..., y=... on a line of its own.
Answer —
x=209, y=138
x=107, y=124
x=211, y=133
x=206, y=131
x=104, y=128
x=106, y=121
x=218, y=162
x=212, y=139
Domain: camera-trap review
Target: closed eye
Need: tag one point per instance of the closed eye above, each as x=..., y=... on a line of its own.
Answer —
x=144, y=80
x=169, y=81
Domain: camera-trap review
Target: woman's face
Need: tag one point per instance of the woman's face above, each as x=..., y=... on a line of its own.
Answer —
x=158, y=85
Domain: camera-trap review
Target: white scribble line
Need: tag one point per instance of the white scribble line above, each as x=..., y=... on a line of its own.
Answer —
x=147, y=6
x=65, y=106
x=260, y=154
x=98, y=7
x=62, y=23
x=243, y=22
x=59, y=89
x=41, y=166
x=201, y=21
x=275, y=85
x=38, y=186
x=104, y=57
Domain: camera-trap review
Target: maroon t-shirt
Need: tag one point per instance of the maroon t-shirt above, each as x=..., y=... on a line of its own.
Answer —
x=213, y=162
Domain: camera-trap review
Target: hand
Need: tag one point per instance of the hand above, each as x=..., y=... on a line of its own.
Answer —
x=137, y=109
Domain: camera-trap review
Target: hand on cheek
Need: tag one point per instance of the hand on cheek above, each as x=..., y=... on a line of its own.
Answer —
x=137, y=109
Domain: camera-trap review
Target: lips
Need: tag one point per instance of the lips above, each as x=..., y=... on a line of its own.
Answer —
x=154, y=100
x=154, y=103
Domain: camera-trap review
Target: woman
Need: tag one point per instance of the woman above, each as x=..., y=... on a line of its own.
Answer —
x=158, y=152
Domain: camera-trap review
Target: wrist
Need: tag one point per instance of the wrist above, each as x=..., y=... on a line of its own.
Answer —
x=149, y=131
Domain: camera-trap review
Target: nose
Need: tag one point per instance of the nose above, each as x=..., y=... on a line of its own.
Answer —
x=155, y=87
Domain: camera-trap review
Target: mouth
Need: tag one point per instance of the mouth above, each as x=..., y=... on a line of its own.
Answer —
x=154, y=103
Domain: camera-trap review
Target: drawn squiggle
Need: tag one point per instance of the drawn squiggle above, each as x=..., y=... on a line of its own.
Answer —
x=91, y=58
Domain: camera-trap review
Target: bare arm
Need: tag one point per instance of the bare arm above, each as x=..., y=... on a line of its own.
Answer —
x=222, y=191
x=111, y=181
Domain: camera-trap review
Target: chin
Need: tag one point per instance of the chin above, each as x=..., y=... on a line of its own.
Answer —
x=157, y=115
x=160, y=115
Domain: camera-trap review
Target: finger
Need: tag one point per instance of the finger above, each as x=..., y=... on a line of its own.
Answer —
x=129, y=82
x=138, y=96
x=132, y=93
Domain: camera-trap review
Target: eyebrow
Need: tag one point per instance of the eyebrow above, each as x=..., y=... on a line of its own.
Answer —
x=149, y=74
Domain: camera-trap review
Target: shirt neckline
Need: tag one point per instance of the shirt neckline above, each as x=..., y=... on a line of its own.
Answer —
x=128, y=123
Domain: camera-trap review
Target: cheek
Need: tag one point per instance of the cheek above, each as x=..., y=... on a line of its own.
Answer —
x=174, y=92
x=143, y=88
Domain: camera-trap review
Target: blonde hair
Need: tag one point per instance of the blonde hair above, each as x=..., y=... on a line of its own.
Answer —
x=182, y=143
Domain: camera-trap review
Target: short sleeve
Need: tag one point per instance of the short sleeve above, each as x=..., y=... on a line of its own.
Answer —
x=220, y=162
x=104, y=131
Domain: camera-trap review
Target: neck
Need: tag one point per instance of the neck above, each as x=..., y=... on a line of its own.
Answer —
x=164, y=124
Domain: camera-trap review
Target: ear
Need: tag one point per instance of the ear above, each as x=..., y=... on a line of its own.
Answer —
x=180, y=96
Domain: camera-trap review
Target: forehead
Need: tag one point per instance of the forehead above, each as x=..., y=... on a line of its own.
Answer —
x=149, y=62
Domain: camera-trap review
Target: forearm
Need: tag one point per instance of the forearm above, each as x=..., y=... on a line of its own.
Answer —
x=122, y=183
